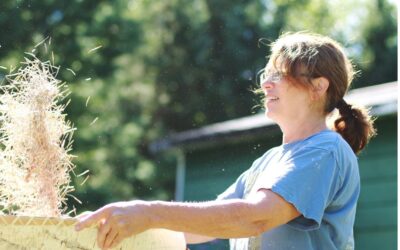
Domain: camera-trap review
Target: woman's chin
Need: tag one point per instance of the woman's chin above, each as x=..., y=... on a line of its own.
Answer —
x=269, y=114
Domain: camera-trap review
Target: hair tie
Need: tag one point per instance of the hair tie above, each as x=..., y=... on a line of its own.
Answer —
x=342, y=104
x=346, y=109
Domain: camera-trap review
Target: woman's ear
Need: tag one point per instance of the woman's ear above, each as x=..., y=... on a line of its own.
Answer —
x=320, y=87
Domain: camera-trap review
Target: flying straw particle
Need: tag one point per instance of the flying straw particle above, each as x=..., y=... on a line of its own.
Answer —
x=70, y=195
x=44, y=40
x=95, y=119
x=33, y=51
x=2, y=67
x=87, y=101
x=94, y=49
x=70, y=70
x=83, y=182
x=83, y=173
x=73, y=211
x=88, y=79
x=31, y=54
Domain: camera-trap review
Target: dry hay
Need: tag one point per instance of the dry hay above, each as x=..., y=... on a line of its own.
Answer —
x=35, y=141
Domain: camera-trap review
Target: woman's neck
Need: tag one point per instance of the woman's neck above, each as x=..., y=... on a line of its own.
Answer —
x=301, y=129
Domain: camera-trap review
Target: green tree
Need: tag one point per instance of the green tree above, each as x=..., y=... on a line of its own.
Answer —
x=378, y=61
x=206, y=61
x=111, y=97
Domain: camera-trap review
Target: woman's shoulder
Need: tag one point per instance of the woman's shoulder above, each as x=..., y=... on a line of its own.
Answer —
x=331, y=142
x=323, y=142
x=327, y=141
x=324, y=139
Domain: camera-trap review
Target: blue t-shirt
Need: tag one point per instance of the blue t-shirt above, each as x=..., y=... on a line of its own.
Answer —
x=319, y=176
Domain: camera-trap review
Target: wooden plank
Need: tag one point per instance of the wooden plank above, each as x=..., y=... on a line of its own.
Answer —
x=208, y=189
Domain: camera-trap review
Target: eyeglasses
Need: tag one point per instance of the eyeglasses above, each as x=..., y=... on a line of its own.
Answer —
x=276, y=76
x=269, y=76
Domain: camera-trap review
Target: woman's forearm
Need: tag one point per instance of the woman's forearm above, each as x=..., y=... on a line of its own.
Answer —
x=219, y=219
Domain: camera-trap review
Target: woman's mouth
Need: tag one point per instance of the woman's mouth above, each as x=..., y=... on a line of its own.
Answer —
x=271, y=98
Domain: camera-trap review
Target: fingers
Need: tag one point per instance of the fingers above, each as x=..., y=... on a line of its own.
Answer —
x=112, y=234
x=85, y=221
x=104, y=229
x=117, y=240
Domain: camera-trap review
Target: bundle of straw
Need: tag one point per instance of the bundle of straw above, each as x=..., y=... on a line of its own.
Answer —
x=35, y=141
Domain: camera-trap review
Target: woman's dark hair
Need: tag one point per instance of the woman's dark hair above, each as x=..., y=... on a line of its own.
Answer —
x=303, y=53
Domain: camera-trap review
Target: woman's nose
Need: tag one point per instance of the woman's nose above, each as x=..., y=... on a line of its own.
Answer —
x=267, y=84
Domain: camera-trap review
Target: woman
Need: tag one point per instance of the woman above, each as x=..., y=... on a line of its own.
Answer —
x=300, y=195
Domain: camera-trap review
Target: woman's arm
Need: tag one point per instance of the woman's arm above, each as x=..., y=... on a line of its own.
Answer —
x=216, y=219
x=234, y=218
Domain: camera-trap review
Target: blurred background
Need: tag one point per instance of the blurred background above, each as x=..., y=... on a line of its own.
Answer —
x=142, y=70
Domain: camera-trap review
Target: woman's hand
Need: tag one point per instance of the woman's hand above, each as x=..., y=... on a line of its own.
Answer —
x=116, y=221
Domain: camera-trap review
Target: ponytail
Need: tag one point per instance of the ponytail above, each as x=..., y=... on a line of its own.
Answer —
x=355, y=125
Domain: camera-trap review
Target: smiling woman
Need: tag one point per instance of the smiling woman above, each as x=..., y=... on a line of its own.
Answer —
x=301, y=194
